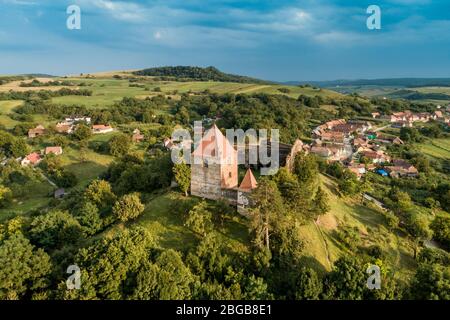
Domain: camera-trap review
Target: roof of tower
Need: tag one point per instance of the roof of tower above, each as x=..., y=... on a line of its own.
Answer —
x=215, y=145
x=249, y=182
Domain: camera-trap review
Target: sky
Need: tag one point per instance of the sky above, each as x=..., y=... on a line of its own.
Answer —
x=279, y=40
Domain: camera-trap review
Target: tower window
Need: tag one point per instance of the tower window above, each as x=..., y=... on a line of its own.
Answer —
x=229, y=175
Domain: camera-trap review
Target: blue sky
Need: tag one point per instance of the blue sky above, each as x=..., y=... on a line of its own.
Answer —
x=279, y=40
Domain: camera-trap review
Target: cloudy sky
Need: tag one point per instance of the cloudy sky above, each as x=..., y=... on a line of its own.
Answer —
x=279, y=40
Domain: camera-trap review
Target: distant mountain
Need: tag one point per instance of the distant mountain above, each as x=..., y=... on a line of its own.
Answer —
x=196, y=73
x=416, y=95
x=397, y=82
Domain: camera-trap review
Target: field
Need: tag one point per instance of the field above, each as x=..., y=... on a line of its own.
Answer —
x=436, y=148
x=394, y=92
x=108, y=91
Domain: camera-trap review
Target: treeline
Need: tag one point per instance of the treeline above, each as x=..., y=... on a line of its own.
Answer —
x=37, y=83
x=195, y=73
x=44, y=94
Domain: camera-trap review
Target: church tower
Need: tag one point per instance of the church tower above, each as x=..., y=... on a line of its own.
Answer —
x=214, y=166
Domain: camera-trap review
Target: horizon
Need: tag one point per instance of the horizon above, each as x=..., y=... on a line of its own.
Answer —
x=307, y=40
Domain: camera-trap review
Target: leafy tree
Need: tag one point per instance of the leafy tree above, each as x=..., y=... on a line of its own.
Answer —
x=348, y=185
x=267, y=206
x=100, y=193
x=24, y=269
x=108, y=265
x=320, y=204
x=128, y=207
x=441, y=230
x=6, y=196
x=199, y=219
x=55, y=229
x=308, y=284
x=119, y=145
x=82, y=132
x=167, y=279
x=182, y=174
x=431, y=282
x=89, y=218
x=19, y=148
x=347, y=281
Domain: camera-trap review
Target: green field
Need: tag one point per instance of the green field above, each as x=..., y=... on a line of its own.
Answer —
x=436, y=148
x=107, y=91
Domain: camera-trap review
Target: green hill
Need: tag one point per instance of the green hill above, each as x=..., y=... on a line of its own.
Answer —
x=196, y=73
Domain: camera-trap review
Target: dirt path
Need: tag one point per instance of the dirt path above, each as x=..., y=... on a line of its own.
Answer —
x=325, y=244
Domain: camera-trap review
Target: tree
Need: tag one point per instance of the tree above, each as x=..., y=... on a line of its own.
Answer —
x=320, y=204
x=6, y=196
x=348, y=185
x=82, y=132
x=55, y=229
x=19, y=148
x=24, y=269
x=128, y=207
x=418, y=226
x=267, y=205
x=431, y=282
x=108, y=266
x=199, y=219
x=182, y=173
x=100, y=193
x=347, y=281
x=166, y=279
x=308, y=285
x=119, y=145
x=89, y=218
x=441, y=229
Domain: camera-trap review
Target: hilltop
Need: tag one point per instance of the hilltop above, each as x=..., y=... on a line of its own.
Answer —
x=197, y=73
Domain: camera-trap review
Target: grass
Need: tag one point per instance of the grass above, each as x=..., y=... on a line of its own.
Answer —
x=108, y=91
x=39, y=198
x=6, y=107
x=436, y=148
x=166, y=225
x=322, y=245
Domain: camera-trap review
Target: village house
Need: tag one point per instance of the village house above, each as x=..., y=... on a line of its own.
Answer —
x=332, y=136
x=53, y=150
x=64, y=127
x=36, y=132
x=402, y=168
x=137, y=136
x=376, y=156
x=375, y=115
x=402, y=124
x=358, y=169
x=73, y=120
x=31, y=160
x=101, y=128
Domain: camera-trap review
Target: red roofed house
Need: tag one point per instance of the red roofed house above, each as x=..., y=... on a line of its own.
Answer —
x=31, y=159
x=101, y=128
x=54, y=150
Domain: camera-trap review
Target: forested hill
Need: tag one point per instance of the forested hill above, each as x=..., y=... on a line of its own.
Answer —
x=196, y=73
